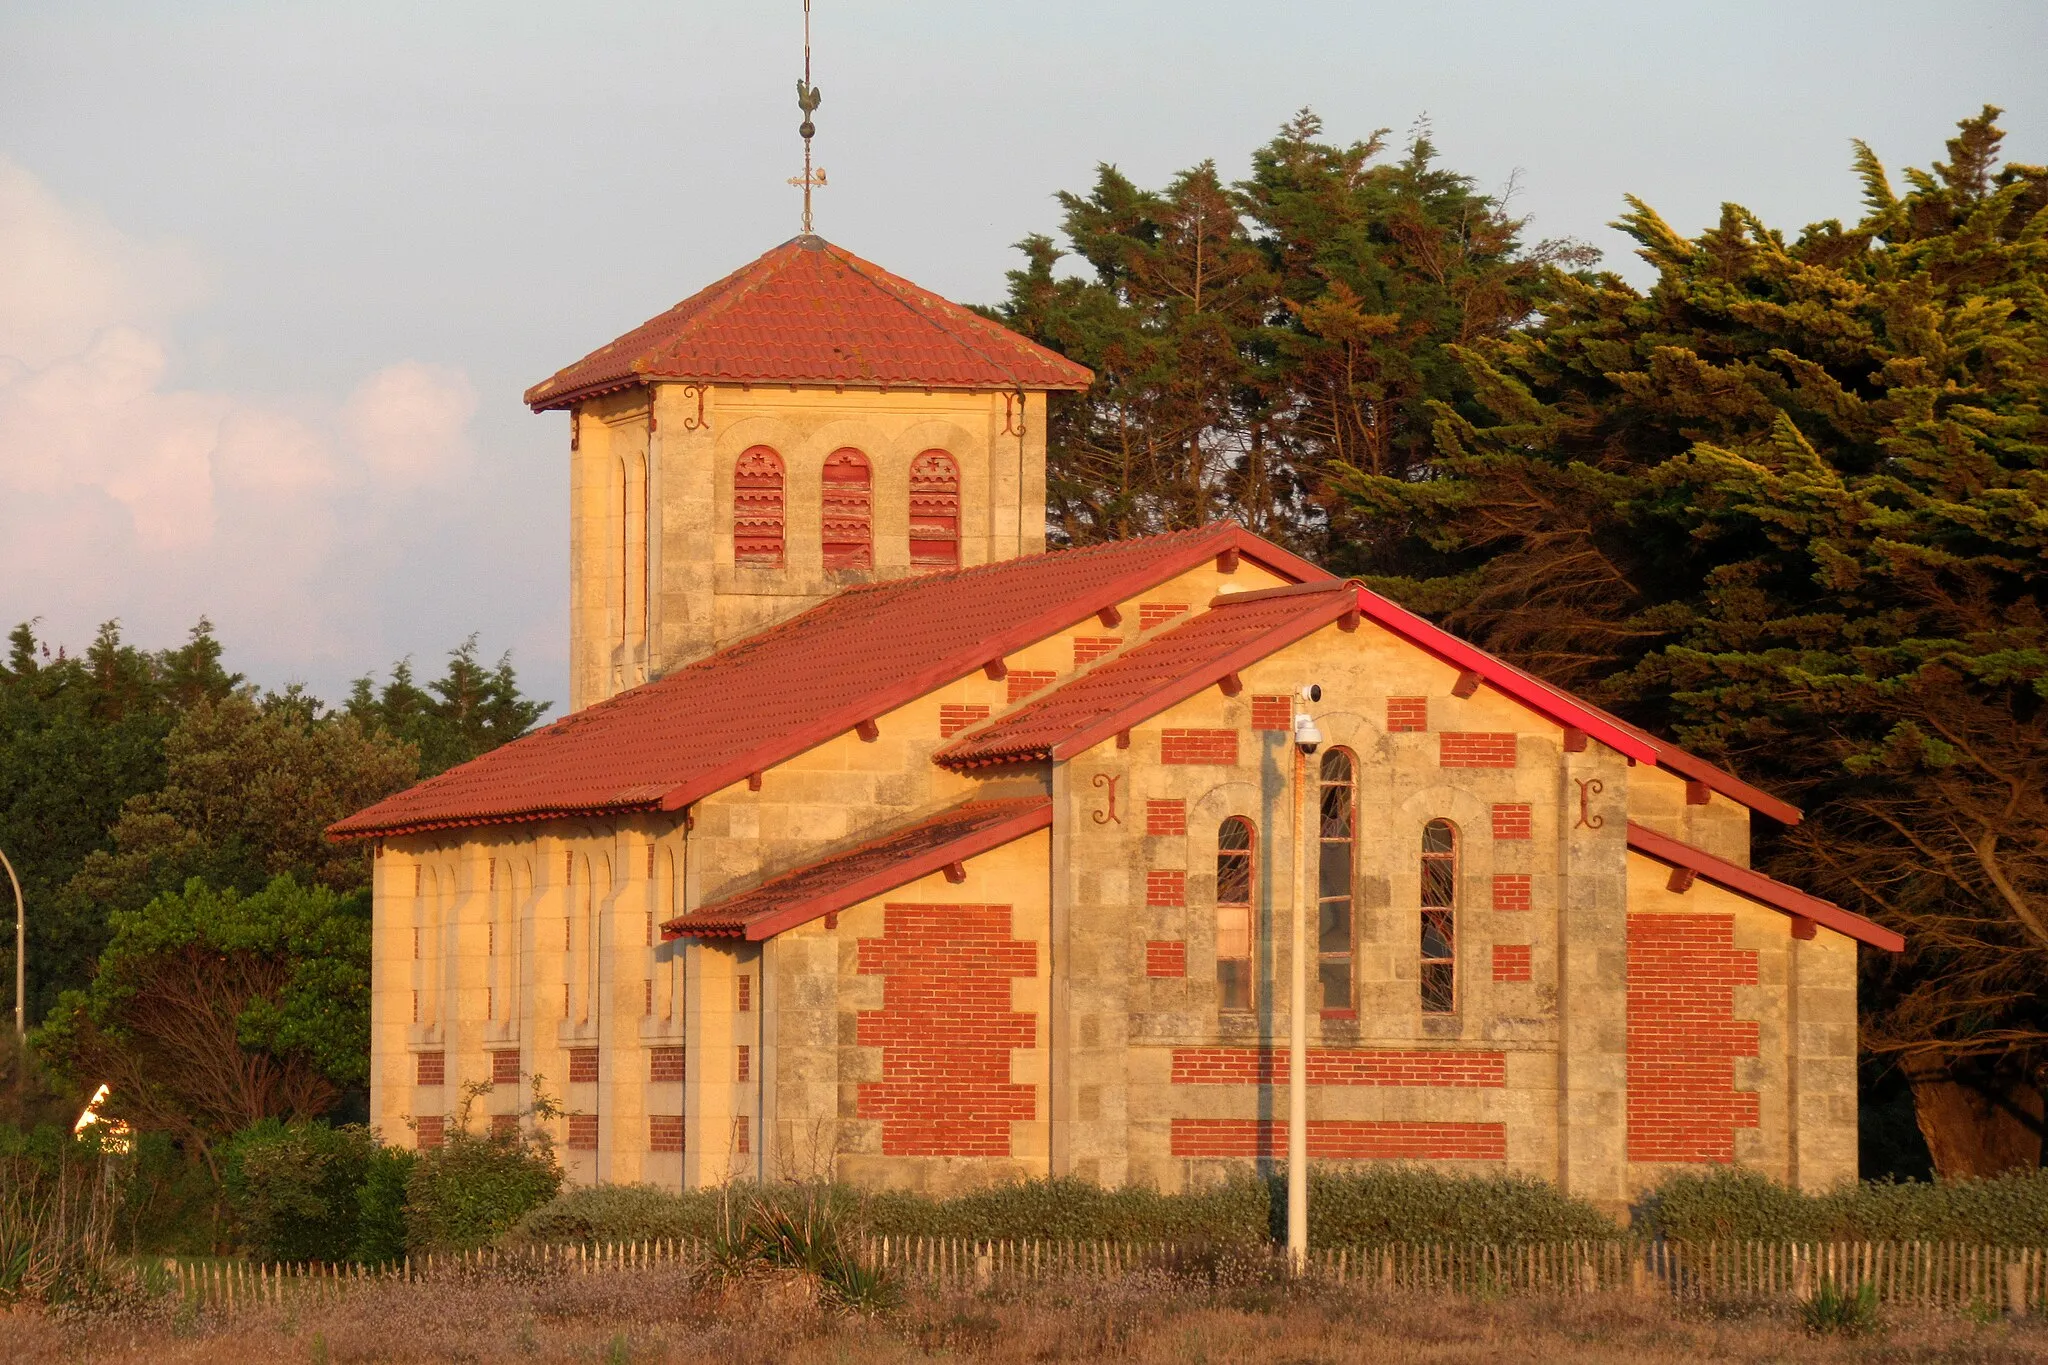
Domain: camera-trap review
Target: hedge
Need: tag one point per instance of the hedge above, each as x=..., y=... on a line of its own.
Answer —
x=2007, y=1210
x=1346, y=1209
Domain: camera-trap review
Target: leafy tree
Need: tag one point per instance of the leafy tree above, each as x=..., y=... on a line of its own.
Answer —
x=213, y=1010
x=1252, y=341
x=251, y=784
x=467, y=711
x=79, y=736
x=1792, y=502
x=470, y=1190
x=296, y=1187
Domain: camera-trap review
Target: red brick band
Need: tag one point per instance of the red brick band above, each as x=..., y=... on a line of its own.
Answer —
x=1343, y=1139
x=1164, y=886
x=1407, y=714
x=1089, y=648
x=1511, y=891
x=1329, y=1066
x=1023, y=682
x=1166, y=958
x=1465, y=750
x=954, y=719
x=1683, y=1038
x=1513, y=821
x=1511, y=962
x=1166, y=817
x=1197, y=746
x=946, y=1030
x=1272, y=713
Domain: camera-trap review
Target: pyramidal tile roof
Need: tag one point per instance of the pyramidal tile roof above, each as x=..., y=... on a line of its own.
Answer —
x=809, y=312
x=771, y=696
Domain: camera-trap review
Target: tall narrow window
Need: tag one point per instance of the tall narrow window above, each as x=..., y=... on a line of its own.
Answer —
x=1234, y=914
x=935, y=511
x=1439, y=917
x=757, y=509
x=848, y=533
x=1333, y=879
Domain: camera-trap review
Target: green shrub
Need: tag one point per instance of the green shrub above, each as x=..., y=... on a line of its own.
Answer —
x=1833, y=1311
x=380, y=1206
x=2007, y=1210
x=1346, y=1209
x=1404, y=1204
x=470, y=1190
x=296, y=1188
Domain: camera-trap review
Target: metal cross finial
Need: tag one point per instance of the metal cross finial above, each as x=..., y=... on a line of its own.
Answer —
x=807, y=98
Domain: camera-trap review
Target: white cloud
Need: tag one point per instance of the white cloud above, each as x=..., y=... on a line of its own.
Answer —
x=123, y=495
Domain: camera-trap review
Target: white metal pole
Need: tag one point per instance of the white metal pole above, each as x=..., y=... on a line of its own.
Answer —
x=1297, y=1043
x=20, y=954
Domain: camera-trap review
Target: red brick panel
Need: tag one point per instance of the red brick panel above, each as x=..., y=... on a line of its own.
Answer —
x=1329, y=1066
x=1683, y=1038
x=431, y=1129
x=505, y=1067
x=664, y=1132
x=1511, y=891
x=1460, y=749
x=1197, y=746
x=1407, y=714
x=954, y=719
x=582, y=1132
x=1513, y=822
x=1272, y=713
x=1089, y=648
x=1511, y=962
x=582, y=1066
x=432, y=1069
x=1152, y=614
x=1166, y=887
x=1164, y=957
x=1023, y=682
x=1343, y=1139
x=504, y=1127
x=1166, y=817
x=946, y=1030
x=664, y=1064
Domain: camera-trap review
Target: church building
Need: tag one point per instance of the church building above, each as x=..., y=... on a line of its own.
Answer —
x=880, y=844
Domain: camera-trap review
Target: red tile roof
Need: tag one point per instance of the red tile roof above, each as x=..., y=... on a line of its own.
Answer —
x=795, y=685
x=1765, y=890
x=873, y=869
x=1237, y=631
x=809, y=312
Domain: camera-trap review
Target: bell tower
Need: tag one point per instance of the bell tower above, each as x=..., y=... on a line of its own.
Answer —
x=805, y=424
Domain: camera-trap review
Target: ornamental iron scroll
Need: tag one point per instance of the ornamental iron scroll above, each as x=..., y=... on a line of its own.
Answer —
x=1588, y=788
x=1107, y=815
x=699, y=422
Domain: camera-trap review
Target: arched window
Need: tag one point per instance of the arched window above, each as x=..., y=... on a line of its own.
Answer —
x=1338, y=854
x=1439, y=917
x=935, y=511
x=848, y=525
x=1234, y=914
x=757, y=509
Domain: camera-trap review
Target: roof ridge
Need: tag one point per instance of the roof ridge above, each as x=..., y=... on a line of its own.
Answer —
x=888, y=285
x=1091, y=548
x=777, y=260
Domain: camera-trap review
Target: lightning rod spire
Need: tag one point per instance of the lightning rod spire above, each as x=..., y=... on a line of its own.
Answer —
x=807, y=98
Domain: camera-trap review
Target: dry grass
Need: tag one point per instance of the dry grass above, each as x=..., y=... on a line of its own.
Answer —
x=669, y=1315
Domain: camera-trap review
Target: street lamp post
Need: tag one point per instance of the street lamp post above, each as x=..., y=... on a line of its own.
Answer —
x=20, y=954
x=1307, y=736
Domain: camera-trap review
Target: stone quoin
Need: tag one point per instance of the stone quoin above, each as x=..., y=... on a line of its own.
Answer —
x=880, y=844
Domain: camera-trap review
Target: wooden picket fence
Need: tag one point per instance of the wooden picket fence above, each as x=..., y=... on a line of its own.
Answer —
x=1942, y=1276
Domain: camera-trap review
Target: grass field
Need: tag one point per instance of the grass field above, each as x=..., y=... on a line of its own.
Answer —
x=669, y=1314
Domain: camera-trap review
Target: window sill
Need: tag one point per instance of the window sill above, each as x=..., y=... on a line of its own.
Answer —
x=1340, y=1014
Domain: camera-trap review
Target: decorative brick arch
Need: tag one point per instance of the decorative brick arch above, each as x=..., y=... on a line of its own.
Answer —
x=935, y=511
x=757, y=513
x=846, y=487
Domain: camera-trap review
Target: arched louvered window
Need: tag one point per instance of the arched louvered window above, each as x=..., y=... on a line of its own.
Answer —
x=1439, y=917
x=1234, y=914
x=935, y=511
x=848, y=526
x=1337, y=845
x=757, y=509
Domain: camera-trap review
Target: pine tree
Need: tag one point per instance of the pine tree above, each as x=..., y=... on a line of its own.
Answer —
x=1792, y=503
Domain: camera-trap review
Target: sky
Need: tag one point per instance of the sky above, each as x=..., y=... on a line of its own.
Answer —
x=274, y=276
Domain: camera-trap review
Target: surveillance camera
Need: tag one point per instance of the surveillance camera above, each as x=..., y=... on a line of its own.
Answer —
x=1306, y=734
x=1312, y=692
